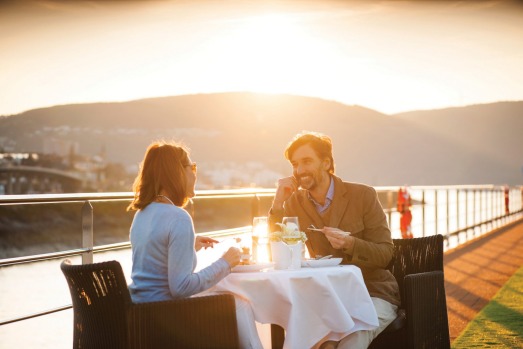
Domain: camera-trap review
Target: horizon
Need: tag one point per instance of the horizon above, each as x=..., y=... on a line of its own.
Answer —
x=263, y=93
x=391, y=57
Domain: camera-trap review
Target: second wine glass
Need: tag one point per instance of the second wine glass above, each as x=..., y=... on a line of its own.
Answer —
x=292, y=225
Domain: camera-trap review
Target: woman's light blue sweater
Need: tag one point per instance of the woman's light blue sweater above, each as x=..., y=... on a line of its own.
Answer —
x=162, y=238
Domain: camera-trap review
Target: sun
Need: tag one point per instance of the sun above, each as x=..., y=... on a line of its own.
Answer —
x=269, y=53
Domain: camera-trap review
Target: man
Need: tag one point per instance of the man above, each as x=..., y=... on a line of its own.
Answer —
x=352, y=220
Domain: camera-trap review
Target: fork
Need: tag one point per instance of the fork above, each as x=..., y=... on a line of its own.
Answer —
x=237, y=240
x=318, y=257
x=312, y=227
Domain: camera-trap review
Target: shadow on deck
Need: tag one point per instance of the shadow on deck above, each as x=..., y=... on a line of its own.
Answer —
x=475, y=271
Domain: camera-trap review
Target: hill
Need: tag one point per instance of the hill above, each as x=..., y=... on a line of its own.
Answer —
x=491, y=131
x=238, y=138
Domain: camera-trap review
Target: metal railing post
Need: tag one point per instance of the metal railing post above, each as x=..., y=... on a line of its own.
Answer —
x=423, y=212
x=436, y=211
x=457, y=213
x=448, y=211
x=389, y=204
x=492, y=215
x=474, y=220
x=87, y=232
x=481, y=210
x=499, y=206
x=255, y=207
x=467, y=212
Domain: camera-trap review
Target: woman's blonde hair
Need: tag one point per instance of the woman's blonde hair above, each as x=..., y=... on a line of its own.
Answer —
x=163, y=168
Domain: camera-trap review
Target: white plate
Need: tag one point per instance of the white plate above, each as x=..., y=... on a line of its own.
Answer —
x=251, y=267
x=319, y=263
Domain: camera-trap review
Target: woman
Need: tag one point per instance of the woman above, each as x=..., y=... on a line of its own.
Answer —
x=163, y=241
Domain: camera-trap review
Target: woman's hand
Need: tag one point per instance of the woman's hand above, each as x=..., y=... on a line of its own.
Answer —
x=338, y=238
x=232, y=256
x=203, y=241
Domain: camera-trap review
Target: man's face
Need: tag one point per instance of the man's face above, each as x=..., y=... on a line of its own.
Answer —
x=308, y=168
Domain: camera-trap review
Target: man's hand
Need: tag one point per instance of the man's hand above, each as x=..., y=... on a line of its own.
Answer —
x=338, y=239
x=285, y=187
x=203, y=241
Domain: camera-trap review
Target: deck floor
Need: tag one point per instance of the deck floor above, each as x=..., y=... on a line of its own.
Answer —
x=475, y=271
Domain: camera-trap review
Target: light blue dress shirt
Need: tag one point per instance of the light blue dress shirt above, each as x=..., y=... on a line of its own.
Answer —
x=328, y=199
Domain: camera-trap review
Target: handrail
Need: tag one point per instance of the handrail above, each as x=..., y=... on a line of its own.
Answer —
x=32, y=316
x=87, y=211
x=489, y=192
x=42, y=257
x=104, y=248
x=73, y=197
x=79, y=197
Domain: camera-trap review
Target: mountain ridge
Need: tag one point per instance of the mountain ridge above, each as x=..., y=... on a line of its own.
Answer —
x=434, y=147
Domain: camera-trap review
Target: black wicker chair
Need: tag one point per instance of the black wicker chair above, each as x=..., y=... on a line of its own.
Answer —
x=105, y=317
x=422, y=320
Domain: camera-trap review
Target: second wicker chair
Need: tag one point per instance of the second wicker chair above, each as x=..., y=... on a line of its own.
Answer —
x=422, y=321
x=105, y=317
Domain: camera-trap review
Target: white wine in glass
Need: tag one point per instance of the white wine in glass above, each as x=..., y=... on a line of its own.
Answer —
x=295, y=238
x=291, y=222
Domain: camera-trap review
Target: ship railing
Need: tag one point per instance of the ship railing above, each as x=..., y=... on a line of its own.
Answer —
x=457, y=212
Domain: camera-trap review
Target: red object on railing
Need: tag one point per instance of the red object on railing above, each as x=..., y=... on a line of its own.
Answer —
x=506, y=192
x=403, y=207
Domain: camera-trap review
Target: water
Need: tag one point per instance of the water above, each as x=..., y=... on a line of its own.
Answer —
x=26, y=289
x=30, y=288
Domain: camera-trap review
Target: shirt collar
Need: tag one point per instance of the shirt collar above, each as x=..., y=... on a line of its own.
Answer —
x=328, y=198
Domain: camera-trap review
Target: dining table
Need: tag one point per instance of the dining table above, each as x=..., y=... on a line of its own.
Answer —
x=311, y=304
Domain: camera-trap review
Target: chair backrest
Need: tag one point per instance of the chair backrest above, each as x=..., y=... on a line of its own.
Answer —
x=101, y=301
x=416, y=255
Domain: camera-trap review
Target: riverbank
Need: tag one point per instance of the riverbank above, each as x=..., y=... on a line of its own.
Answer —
x=45, y=228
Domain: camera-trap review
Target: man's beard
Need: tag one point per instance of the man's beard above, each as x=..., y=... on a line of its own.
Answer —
x=308, y=181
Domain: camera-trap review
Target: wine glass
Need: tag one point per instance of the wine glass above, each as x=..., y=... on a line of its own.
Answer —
x=291, y=222
x=292, y=225
x=259, y=239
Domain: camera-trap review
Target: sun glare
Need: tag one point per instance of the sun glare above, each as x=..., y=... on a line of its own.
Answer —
x=269, y=54
x=290, y=54
x=390, y=57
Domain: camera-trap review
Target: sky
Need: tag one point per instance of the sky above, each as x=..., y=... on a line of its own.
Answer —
x=390, y=56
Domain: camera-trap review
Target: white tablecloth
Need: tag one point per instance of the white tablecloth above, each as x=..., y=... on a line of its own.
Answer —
x=311, y=304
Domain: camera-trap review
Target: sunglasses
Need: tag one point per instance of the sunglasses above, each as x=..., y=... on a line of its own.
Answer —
x=193, y=167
